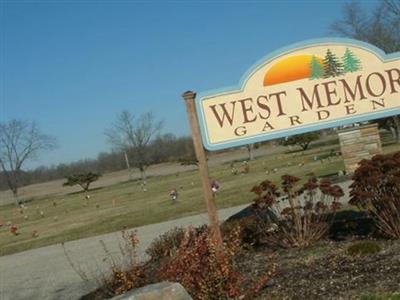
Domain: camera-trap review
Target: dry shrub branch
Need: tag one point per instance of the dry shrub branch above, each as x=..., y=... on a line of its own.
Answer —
x=130, y=271
x=306, y=214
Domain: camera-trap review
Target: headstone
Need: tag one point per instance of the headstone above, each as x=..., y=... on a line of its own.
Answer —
x=358, y=143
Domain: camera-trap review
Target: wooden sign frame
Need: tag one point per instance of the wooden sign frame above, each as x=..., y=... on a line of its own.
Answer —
x=252, y=90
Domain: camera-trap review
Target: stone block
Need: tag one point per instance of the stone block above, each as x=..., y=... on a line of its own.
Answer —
x=371, y=147
x=157, y=291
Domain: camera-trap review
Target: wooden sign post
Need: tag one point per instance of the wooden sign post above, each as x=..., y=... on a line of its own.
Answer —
x=189, y=97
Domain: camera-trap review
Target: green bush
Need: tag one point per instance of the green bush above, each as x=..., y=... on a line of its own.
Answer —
x=383, y=297
x=364, y=248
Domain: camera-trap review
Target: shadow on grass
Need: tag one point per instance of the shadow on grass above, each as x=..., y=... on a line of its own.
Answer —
x=90, y=190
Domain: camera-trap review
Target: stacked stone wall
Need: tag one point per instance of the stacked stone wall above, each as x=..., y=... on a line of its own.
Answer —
x=359, y=143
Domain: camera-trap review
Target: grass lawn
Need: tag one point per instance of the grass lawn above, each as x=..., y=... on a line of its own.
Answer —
x=111, y=208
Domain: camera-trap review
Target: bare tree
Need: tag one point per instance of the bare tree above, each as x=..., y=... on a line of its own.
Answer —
x=132, y=136
x=394, y=6
x=380, y=28
x=20, y=141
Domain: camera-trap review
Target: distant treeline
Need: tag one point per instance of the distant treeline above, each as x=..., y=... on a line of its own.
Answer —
x=165, y=148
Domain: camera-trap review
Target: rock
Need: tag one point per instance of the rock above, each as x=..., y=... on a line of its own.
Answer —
x=267, y=215
x=157, y=291
x=250, y=219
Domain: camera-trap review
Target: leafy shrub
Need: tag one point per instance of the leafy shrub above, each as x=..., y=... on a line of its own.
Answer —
x=126, y=271
x=166, y=244
x=209, y=274
x=364, y=248
x=125, y=280
x=305, y=220
x=130, y=272
x=376, y=187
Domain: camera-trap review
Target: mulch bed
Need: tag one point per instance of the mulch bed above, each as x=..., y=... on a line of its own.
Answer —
x=324, y=271
x=327, y=272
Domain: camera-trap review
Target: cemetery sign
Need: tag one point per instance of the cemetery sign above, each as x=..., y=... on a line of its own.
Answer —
x=305, y=87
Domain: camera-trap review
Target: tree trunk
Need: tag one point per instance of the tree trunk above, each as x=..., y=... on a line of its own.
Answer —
x=15, y=194
x=304, y=146
x=143, y=174
x=250, y=148
x=396, y=126
x=128, y=166
x=13, y=185
x=85, y=186
x=393, y=132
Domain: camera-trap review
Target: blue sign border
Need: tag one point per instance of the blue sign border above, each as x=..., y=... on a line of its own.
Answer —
x=301, y=129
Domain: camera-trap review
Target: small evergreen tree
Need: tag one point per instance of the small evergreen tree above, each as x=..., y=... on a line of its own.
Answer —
x=332, y=66
x=350, y=62
x=316, y=68
x=83, y=180
x=302, y=140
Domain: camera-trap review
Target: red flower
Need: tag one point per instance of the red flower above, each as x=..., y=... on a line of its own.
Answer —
x=14, y=229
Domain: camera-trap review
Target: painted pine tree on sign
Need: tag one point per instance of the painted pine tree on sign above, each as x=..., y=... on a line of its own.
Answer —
x=332, y=66
x=350, y=62
x=316, y=68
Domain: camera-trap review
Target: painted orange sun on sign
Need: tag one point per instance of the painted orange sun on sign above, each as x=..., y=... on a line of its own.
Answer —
x=289, y=69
